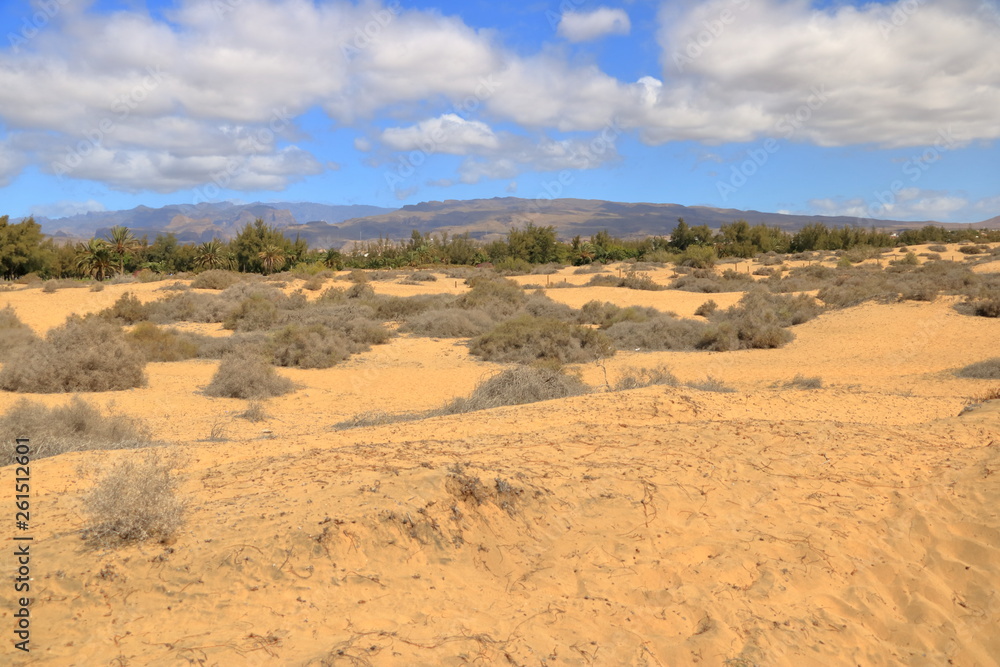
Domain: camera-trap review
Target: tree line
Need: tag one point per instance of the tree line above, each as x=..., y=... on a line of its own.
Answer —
x=261, y=248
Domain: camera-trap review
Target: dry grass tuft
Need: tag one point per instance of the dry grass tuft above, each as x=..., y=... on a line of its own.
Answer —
x=244, y=373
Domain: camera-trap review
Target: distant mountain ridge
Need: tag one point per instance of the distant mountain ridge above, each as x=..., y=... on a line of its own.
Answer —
x=324, y=226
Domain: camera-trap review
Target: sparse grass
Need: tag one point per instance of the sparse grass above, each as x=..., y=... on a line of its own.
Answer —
x=636, y=378
x=244, y=373
x=254, y=412
x=377, y=418
x=134, y=500
x=526, y=339
x=76, y=426
x=802, y=382
x=711, y=384
x=14, y=333
x=982, y=370
x=84, y=354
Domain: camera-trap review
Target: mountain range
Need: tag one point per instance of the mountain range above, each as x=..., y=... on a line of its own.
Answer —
x=324, y=226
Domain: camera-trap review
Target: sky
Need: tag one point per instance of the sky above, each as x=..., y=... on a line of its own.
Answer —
x=871, y=110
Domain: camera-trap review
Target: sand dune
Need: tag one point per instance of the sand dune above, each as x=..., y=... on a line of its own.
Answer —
x=855, y=524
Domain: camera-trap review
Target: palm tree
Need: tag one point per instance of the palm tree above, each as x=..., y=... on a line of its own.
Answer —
x=212, y=255
x=270, y=257
x=332, y=259
x=95, y=258
x=122, y=242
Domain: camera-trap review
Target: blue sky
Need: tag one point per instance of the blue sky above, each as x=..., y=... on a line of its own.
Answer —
x=868, y=110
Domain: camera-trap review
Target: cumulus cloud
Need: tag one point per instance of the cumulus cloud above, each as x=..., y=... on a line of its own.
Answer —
x=449, y=133
x=586, y=26
x=908, y=204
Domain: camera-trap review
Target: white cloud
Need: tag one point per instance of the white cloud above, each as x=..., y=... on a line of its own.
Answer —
x=908, y=204
x=586, y=26
x=449, y=133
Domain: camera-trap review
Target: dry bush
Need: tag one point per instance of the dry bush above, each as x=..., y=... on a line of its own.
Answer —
x=133, y=501
x=857, y=286
x=81, y=355
x=494, y=295
x=594, y=267
x=604, y=314
x=218, y=279
x=189, y=307
x=314, y=283
x=663, y=332
x=254, y=313
x=14, y=333
x=97, y=287
x=707, y=308
x=987, y=307
x=360, y=291
x=158, y=344
x=603, y=280
x=377, y=418
x=758, y=321
x=358, y=276
x=398, y=309
x=711, y=384
x=244, y=373
x=861, y=253
x=981, y=370
x=449, y=323
x=73, y=427
x=540, y=305
x=422, y=277
x=636, y=378
x=970, y=250
x=255, y=412
x=312, y=346
x=127, y=309
x=641, y=281
x=526, y=339
x=802, y=382
x=937, y=248
x=518, y=386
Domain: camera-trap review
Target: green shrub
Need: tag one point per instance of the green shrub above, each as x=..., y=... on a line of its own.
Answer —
x=699, y=257
x=518, y=386
x=526, y=339
x=244, y=373
x=76, y=426
x=133, y=501
x=158, y=344
x=81, y=355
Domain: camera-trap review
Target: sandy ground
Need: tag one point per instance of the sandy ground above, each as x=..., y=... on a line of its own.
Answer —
x=855, y=524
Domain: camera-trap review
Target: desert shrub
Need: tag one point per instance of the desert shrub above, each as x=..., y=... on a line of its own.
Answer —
x=862, y=252
x=312, y=346
x=380, y=418
x=189, y=307
x=757, y=321
x=394, y=308
x=604, y=314
x=546, y=269
x=802, y=382
x=764, y=271
x=81, y=355
x=594, y=267
x=128, y=309
x=604, y=280
x=217, y=279
x=73, y=427
x=931, y=256
x=981, y=370
x=707, y=308
x=50, y=286
x=856, y=287
x=661, y=256
x=540, y=305
x=314, y=283
x=449, y=323
x=158, y=344
x=733, y=275
x=637, y=280
x=909, y=259
x=97, y=287
x=518, y=386
x=357, y=276
x=937, y=248
x=987, y=307
x=662, y=332
x=360, y=291
x=498, y=296
x=970, y=250
x=244, y=373
x=252, y=314
x=512, y=266
x=422, y=277
x=176, y=286
x=635, y=378
x=526, y=339
x=254, y=412
x=133, y=501
x=770, y=259
x=711, y=384
x=13, y=333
